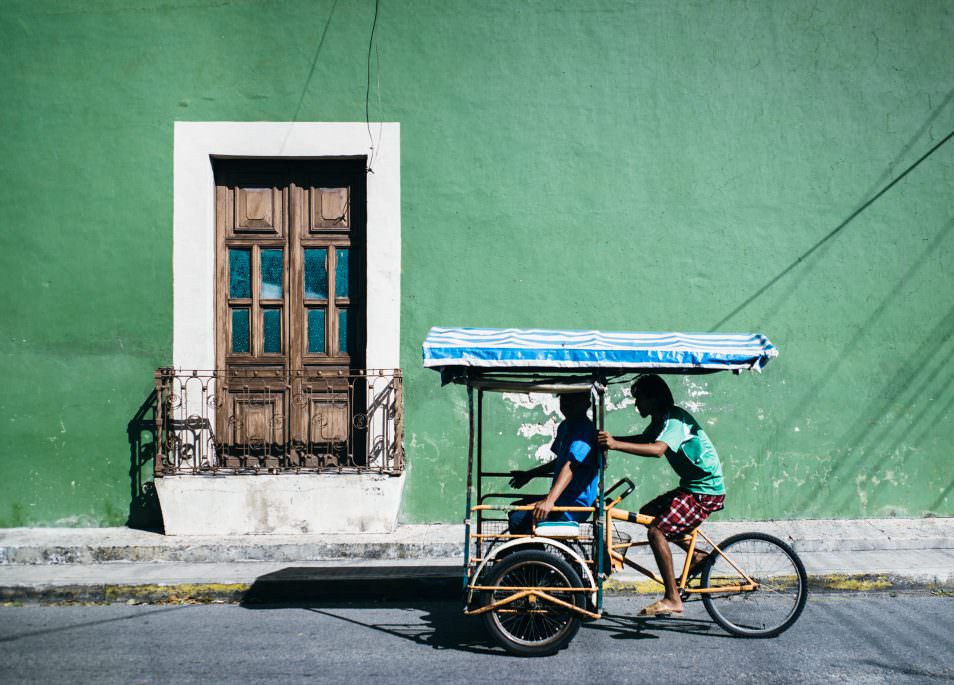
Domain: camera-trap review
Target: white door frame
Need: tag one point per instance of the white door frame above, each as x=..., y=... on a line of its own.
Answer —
x=193, y=244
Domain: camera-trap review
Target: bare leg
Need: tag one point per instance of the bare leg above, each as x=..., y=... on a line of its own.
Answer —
x=697, y=554
x=660, y=546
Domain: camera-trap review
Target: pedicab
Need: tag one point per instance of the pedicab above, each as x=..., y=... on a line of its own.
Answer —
x=534, y=589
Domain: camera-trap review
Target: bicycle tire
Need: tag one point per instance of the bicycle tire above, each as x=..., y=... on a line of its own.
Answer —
x=533, y=628
x=777, y=602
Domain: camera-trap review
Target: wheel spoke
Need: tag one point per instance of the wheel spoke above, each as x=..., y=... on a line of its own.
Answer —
x=534, y=623
x=778, y=600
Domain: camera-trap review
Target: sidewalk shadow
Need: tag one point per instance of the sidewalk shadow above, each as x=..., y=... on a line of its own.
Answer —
x=435, y=591
x=144, y=511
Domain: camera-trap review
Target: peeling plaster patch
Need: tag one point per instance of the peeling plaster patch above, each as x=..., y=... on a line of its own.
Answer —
x=548, y=428
x=893, y=511
x=461, y=408
x=859, y=488
x=543, y=453
x=797, y=429
x=550, y=403
x=694, y=389
x=77, y=521
x=694, y=392
x=625, y=400
x=760, y=415
x=711, y=422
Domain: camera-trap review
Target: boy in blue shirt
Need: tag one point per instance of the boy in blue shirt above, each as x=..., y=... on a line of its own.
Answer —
x=575, y=469
x=673, y=433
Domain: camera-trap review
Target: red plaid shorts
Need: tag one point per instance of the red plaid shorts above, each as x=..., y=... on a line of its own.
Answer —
x=679, y=512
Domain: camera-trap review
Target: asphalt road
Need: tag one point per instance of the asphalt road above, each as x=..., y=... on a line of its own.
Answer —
x=840, y=638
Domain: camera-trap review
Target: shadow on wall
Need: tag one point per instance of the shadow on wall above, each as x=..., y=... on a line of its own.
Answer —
x=875, y=194
x=144, y=511
x=923, y=372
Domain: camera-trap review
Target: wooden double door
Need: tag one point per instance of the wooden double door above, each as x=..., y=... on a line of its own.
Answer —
x=290, y=312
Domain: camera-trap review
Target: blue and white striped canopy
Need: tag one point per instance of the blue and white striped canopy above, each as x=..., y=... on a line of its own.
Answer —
x=503, y=348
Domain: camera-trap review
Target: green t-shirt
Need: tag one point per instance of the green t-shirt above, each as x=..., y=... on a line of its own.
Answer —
x=691, y=453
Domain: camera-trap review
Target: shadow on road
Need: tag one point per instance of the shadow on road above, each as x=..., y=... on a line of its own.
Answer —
x=442, y=625
x=139, y=615
x=433, y=594
x=335, y=592
x=328, y=585
x=646, y=628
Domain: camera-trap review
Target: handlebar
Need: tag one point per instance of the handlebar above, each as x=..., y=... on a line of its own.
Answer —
x=630, y=487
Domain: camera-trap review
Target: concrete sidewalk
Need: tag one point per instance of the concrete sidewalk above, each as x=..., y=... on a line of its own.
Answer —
x=121, y=564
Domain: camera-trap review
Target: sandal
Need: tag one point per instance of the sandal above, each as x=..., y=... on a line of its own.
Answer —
x=657, y=608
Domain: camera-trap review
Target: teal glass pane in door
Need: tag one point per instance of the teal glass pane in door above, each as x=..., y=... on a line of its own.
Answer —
x=341, y=272
x=240, y=273
x=316, y=331
x=343, y=331
x=271, y=274
x=272, y=337
x=316, y=273
x=240, y=331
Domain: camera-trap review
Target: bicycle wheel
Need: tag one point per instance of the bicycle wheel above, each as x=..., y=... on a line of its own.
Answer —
x=777, y=601
x=533, y=626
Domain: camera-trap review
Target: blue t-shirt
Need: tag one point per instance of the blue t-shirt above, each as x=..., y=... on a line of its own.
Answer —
x=576, y=441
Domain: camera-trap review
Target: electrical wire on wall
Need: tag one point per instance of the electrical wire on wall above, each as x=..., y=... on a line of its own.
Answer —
x=372, y=148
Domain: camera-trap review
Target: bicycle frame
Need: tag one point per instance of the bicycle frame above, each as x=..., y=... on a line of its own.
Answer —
x=618, y=559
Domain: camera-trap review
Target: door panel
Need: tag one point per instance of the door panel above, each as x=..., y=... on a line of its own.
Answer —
x=289, y=311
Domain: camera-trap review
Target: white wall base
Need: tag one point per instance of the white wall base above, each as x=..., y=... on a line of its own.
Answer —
x=280, y=504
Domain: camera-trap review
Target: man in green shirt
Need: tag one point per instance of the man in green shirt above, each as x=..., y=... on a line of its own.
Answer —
x=675, y=434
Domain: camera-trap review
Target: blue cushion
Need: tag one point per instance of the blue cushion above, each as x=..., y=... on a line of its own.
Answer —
x=558, y=529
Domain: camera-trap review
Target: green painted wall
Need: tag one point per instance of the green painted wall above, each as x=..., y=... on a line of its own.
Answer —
x=641, y=165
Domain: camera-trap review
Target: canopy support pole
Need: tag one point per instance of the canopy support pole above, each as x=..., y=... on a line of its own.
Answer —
x=599, y=406
x=470, y=482
x=480, y=467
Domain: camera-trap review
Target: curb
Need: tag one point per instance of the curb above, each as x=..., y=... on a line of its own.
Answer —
x=202, y=552
x=821, y=583
x=43, y=555
x=436, y=587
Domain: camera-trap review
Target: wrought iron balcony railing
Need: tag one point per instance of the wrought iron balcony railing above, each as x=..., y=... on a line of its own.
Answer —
x=274, y=421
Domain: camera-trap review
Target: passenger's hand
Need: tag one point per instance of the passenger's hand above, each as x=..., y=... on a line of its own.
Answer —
x=606, y=440
x=542, y=509
x=518, y=479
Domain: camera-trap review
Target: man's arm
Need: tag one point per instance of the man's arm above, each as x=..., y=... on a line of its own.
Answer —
x=644, y=449
x=521, y=478
x=545, y=506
